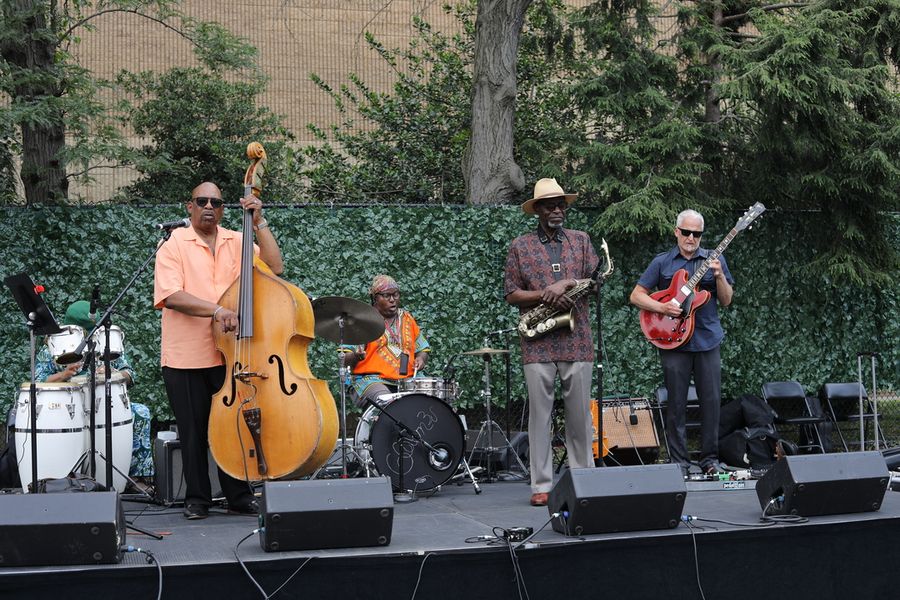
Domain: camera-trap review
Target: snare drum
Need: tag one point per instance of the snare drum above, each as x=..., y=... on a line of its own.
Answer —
x=430, y=386
x=116, y=342
x=123, y=427
x=378, y=441
x=60, y=430
x=62, y=345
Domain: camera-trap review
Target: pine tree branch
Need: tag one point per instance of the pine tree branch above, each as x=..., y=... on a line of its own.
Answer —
x=731, y=18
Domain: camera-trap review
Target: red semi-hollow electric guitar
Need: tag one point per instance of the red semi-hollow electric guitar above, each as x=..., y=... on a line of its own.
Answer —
x=668, y=332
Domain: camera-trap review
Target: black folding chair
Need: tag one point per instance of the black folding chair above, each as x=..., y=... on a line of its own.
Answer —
x=792, y=409
x=848, y=404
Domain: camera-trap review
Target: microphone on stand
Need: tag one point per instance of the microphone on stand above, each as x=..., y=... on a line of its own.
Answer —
x=169, y=225
x=95, y=302
x=449, y=370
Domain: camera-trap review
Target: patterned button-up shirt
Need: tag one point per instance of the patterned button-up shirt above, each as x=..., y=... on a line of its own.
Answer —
x=528, y=267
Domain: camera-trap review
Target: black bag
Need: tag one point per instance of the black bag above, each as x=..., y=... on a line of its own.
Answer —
x=72, y=483
x=752, y=448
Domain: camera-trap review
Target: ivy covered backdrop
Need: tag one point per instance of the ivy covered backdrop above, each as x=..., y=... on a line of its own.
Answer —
x=449, y=262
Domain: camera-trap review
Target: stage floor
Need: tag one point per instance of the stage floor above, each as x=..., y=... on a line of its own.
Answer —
x=198, y=557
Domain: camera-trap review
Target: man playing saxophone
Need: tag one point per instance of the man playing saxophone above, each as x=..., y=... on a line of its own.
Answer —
x=541, y=268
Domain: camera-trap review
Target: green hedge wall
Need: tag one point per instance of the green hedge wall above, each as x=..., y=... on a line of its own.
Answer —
x=449, y=262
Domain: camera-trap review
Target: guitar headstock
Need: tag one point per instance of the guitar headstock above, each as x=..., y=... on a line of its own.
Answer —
x=752, y=212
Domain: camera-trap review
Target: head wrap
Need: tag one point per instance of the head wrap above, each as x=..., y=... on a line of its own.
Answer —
x=383, y=283
x=79, y=313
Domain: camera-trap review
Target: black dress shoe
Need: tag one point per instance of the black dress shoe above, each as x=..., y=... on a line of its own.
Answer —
x=196, y=511
x=250, y=507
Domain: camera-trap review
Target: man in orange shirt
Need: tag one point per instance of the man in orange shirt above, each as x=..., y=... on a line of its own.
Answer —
x=193, y=269
x=398, y=354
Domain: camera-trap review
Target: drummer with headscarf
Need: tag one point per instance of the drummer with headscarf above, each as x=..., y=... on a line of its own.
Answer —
x=400, y=353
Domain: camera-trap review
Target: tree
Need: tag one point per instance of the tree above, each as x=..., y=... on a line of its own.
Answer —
x=199, y=125
x=796, y=111
x=50, y=98
x=491, y=174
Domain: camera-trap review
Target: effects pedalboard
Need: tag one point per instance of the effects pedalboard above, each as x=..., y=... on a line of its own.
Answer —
x=739, y=475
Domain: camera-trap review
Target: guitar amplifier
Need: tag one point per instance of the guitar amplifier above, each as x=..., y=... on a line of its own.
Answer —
x=169, y=478
x=630, y=432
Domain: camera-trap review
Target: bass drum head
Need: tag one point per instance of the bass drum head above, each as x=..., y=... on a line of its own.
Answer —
x=436, y=423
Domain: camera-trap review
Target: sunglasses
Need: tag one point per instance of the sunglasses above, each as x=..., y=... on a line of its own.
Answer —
x=689, y=233
x=551, y=205
x=215, y=202
x=389, y=295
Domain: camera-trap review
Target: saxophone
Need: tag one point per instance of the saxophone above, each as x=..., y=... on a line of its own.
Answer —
x=542, y=319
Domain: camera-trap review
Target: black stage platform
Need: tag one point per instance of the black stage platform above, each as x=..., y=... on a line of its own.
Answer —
x=847, y=557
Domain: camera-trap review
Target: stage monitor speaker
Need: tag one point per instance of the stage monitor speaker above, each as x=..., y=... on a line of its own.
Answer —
x=609, y=499
x=169, y=472
x=824, y=484
x=326, y=513
x=630, y=432
x=78, y=528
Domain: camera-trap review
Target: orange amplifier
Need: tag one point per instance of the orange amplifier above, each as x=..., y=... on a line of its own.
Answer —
x=629, y=431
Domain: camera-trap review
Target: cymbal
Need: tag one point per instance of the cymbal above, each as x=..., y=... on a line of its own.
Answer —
x=362, y=322
x=486, y=351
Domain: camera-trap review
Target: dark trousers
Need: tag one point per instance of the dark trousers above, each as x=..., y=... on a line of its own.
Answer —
x=706, y=368
x=190, y=395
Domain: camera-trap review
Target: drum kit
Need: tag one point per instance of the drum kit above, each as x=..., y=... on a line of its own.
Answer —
x=414, y=436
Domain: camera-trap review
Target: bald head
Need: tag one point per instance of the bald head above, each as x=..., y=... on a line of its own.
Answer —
x=207, y=189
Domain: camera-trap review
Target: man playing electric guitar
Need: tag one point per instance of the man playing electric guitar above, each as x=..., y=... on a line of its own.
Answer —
x=699, y=355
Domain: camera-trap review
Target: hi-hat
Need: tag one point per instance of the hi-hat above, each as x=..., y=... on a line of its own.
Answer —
x=362, y=323
x=486, y=351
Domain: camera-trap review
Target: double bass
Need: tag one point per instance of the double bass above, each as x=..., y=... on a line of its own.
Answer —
x=271, y=419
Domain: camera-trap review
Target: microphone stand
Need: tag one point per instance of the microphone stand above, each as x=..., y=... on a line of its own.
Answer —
x=599, y=284
x=103, y=321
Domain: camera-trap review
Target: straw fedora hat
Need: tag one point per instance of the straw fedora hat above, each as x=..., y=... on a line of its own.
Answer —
x=546, y=188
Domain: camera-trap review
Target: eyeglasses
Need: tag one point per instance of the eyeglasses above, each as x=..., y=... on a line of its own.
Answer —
x=201, y=202
x=389, y=295
x=689, y=233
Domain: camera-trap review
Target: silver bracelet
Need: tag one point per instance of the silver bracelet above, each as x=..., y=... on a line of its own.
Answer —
x=215, y=312
x=261, y=225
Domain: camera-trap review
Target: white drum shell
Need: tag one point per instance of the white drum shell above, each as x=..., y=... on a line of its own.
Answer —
x=123, y=428
x=66, y=341
x=116, y=341
x=60, y=430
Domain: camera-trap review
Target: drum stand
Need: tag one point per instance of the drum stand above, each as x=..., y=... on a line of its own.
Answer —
x=488, y=427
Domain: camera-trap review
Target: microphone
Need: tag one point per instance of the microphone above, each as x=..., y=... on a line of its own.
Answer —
x=169, y=225
x=95, y=302
x=440, y=454
x=449, y=370
x=501, y=332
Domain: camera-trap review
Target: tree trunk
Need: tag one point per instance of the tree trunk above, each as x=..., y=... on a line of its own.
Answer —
x=43, y=171
x=490, y=173
x=713, y=111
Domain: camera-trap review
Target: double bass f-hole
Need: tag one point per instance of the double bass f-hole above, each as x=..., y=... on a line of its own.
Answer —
x=275, y=359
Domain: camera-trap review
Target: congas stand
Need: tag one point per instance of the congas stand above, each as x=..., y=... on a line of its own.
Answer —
x=488, y=426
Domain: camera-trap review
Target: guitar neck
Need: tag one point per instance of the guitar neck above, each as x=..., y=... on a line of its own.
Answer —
x=702, y=269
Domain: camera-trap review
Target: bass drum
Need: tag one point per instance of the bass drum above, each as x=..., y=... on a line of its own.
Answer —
x=379, y=441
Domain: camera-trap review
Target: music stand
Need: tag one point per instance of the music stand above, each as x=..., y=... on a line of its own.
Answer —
x=39, y=320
